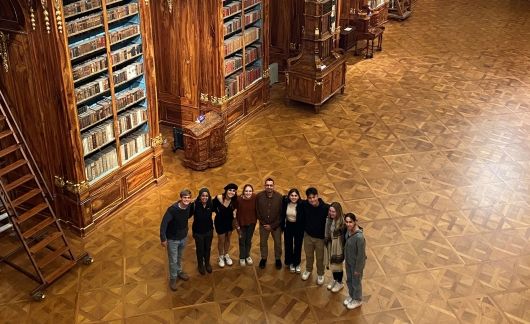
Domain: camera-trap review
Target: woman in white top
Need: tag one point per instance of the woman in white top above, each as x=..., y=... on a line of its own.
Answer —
x=291, y=223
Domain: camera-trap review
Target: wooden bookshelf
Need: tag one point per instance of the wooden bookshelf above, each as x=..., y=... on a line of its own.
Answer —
x=211, y=71
x=93, y=116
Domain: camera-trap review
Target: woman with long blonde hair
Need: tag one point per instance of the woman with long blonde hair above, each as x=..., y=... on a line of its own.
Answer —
x=334, y=238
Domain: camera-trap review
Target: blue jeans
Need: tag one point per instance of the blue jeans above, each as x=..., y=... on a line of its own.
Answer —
x=175, y=249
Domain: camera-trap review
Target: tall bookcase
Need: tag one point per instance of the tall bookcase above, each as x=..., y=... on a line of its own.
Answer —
x=234, y=50
x=98, y=111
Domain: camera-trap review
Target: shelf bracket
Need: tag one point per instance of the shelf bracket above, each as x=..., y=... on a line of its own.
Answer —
x=3, y=51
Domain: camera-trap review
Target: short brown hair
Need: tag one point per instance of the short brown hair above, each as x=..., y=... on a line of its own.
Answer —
x=185, y=192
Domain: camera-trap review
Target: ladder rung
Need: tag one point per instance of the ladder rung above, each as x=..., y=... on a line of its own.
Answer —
x=5, y=133
x=9, y=150
x=42, y=244
x=5, y=227
x=59, y=271
x=25, y=197
x=12, y=185
x=39, y=227
x=3, y=216
x=52, y=256
x=32, y=212
x=11, y=167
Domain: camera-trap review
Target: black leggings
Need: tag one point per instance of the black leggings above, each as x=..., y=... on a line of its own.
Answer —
x=338, y=276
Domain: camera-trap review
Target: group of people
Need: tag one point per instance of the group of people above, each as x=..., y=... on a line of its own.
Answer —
x=328, y=235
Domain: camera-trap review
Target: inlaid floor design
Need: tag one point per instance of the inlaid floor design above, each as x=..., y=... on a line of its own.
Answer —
x=428, y=145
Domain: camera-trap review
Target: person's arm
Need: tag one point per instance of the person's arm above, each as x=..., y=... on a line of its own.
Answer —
x=192, y=210
x=163, y=227
x=276, y=222
x=258, y=215
x=361, y=256
x=283, y=213
x=327, y=232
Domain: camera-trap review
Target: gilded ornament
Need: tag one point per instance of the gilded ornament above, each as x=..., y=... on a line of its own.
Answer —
x=3, y=51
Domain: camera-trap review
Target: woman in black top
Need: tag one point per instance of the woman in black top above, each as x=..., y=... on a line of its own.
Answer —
x=225, y=207
x=202, y=228
x=291, y=222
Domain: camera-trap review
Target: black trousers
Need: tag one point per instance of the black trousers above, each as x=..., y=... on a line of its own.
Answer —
x=203, y=245
x=292, y=239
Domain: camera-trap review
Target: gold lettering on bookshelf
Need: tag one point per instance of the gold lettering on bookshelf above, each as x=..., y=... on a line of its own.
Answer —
x=3, y=51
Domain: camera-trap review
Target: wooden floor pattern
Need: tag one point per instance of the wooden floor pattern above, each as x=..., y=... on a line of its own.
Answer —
x=429, y=145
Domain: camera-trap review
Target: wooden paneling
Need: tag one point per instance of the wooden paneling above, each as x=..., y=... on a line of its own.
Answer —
x=11, y=16
x=138, y=178
x=105, y=198
x=286, y=21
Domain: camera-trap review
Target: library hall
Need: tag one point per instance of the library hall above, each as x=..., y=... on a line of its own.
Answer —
x=264, y=161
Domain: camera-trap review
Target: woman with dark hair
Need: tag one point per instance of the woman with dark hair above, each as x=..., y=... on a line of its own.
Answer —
x=355, y=255
x=246, y=223
x=291, y=222
x=225, y=207
x=202, y=229
x=334, y=238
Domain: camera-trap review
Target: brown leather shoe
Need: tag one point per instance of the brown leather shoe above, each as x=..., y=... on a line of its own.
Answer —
x=182, y=275
x=173, y=284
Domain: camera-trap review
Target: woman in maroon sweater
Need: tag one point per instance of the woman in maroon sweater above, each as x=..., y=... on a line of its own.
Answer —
x=246, y=223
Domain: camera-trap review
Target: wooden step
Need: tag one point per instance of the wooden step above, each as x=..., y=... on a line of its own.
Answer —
x=6, y=133
x=52, y=256
x=12, y=185
x=5, y=227
x=51, y=277
x=39, y=227
x=25, y=197
x=9, y=150
x=42, y=244
x=12, y=166
x=32, y=212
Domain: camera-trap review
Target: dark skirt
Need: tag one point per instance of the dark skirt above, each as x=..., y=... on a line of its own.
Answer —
x=223, y=224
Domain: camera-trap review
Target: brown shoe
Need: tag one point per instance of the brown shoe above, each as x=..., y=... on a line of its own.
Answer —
x=202, y=270
x=182, y=275
x=208, y=268
x=173, y=284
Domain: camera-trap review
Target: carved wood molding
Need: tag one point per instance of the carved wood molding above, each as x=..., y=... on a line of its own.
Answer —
x=11, y=16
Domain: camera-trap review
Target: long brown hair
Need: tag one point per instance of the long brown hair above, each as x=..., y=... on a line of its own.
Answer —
x=339, y=219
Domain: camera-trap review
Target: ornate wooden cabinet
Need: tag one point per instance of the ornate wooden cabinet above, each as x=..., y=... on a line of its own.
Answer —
x=80, y=77
x=287, y=20
x=204, y=143
x=319, y=71
x=176, y=30
x=234, y=57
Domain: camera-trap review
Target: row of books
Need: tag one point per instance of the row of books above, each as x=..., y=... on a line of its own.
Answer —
x=100, y=163
x=234, y=63
x=91, y=89
x=80, y=6
x=251, y=34
x=250, y=3
x=232, y=44
x=88, y=68
x=123, y=32
x=84, y=23
x=231, y=8
x=87, y=45
x=252, y=53
x=134, y=143
x=126, y=53
x=232, y=25
x=131, y=118
x=89, y=115
x=252, y=16
x=127, y=97
x=97, y=136
x=122, y=11
x=252, y=73
x=128, y=73
x=234, y=84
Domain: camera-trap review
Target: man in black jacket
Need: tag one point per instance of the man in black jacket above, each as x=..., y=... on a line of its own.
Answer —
x=173, y=234
x=315, y=212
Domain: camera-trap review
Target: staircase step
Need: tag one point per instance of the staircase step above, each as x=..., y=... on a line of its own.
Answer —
x=5, y=227
x=42, y=244
x=6, y=133
x=59, y=271
x=12, y=166
x=39, y=227
x=9, y=150
x=52, y=256
x=25, y=197
x=12, y=185
x=32, y=212
x=3, y=216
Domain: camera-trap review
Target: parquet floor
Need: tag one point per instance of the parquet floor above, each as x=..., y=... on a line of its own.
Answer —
x=429, y=145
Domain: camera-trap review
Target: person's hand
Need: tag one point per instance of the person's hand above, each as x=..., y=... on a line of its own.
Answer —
x=267, y=227
x=356, y=273
x=164, y=244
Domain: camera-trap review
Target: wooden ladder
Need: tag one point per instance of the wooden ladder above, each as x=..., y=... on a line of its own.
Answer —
x=27, y=202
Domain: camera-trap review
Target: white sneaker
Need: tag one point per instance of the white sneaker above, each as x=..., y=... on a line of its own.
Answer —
x=298, y=269
x=306, y=275
x=354, y=304
x=249, y=261
x=242, y=262
x=291, y=268
x=221, y=262
x=338, y=286
x=347, y=301
x=228, y=260
x=331, y=285
x=320, y=280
